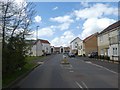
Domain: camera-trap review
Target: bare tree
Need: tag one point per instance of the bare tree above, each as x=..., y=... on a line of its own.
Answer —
x=15, y=19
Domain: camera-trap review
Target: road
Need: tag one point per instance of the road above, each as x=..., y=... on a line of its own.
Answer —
x=79, y=74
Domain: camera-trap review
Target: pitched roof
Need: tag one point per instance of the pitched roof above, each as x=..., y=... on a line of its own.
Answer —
x=42, y=41
x=87, y=38
x=56, y=47
x=114, y=25
x=75, y=39
x=66, y=47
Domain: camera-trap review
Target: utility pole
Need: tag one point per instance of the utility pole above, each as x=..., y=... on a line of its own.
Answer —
x=36, y=39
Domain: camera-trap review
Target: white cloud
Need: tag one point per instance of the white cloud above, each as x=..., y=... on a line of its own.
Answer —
x=64, y=22
x=55, y=8
x=64, y=39
x=78, y=27
x=47, y=32
x=38, y=19
x=93, y=25
x=62, y=19
x=64, y=26
x=96, y=11
x=84, y=4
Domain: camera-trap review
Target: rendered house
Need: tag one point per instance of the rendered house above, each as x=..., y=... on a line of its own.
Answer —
x=90, y=44
x=57, y=49
x=66, y=49
x=39, y=48
x=81, y=50
x=61, y=49
x=74, y=45
x=114, y=44
x=109, y=41
x=45, y=46
x=52, y=49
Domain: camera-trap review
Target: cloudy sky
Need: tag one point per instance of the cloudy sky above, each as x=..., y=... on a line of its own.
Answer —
x=61, y=22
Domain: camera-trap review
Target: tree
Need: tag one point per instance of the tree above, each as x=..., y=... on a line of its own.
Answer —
x=15, y=22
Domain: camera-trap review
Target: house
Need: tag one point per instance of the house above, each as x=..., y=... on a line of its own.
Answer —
x=52, y=49
x=114, y=41
x=109, y=41
x=45, y=46
x=61, y=49
x=81, y=48
x=74, y=45
x=66, y=49
x=90, y=44
x=57, y=49
x=39, y=47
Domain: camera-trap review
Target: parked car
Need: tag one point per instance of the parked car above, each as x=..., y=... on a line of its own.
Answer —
x=93, y=54
x=71, y=55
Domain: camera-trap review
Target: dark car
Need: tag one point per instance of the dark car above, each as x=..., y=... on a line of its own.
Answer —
x=71, y=55
x=93, y=54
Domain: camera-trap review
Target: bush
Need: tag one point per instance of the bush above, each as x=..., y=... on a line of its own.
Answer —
x=106, y=57
x=13, y=55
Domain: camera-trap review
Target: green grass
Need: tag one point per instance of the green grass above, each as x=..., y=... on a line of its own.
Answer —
x=8, y=78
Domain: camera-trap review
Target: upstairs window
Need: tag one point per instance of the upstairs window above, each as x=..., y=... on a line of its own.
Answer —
x=75, y=42
x=115, y=51
x=101, y=38
x=75, y=46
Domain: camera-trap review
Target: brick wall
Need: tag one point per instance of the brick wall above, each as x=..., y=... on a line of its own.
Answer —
x=91, y=45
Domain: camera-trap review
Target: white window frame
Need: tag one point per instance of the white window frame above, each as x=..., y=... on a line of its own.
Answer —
x=115, y=51
x=102, y=51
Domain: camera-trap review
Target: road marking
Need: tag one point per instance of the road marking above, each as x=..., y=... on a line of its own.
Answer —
x=78, y=85
x=88, y=62
x=104, y=68
x=71, y=66
x=40, y=62
x=71, y=71
x=84, y=84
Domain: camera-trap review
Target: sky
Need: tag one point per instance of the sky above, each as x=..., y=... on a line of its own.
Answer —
x=61, y=22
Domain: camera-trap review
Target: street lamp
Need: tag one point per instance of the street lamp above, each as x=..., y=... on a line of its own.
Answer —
x=36, y=39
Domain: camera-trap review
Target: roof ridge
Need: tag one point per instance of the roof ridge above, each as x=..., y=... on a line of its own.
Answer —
x=87, y=38
x=110, y=27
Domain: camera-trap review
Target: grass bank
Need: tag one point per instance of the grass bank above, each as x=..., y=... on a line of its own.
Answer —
x=30, y=63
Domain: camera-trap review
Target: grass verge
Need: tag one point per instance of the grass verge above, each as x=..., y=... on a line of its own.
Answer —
x=30, y=63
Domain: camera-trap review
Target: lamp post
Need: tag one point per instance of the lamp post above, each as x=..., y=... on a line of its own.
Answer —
x=36, y=39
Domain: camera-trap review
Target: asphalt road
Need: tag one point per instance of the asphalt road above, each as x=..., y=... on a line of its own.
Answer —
x=79, y=74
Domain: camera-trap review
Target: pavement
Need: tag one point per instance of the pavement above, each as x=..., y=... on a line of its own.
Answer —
x=78, y=74
x=109, y=65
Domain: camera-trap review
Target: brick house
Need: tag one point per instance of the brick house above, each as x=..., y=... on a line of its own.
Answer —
x=90, y=44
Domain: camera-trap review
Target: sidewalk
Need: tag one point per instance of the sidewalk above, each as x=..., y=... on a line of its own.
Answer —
x=109, y=65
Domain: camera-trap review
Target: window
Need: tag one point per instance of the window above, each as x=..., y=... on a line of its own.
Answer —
x=114, y=51
x=101, y=38
x=75, y=46
x=75, y=42
x=102, y=52
x=81, y=46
